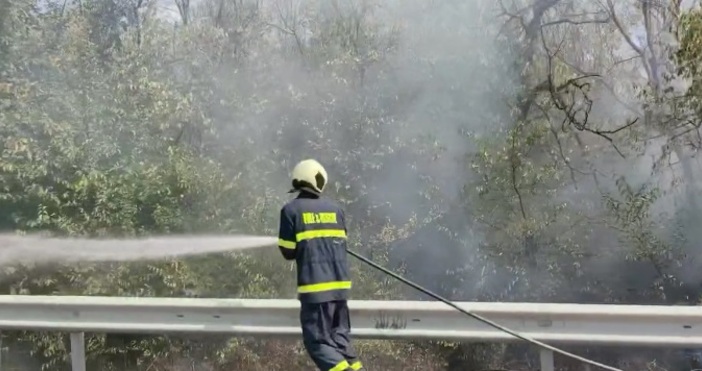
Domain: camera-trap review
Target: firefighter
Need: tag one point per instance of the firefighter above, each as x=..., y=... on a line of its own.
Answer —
x=313, y=233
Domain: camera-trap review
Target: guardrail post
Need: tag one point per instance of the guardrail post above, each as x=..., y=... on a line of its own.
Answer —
x=546, y=356
x=78, y=351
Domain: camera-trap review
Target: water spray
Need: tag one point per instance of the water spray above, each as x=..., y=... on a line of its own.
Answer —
x=38, y=249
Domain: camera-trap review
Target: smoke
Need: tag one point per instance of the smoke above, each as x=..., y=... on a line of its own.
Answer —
x=392, y=97
x=41, y=250
x=452, y=80
x=447, y=59
x=395, y=121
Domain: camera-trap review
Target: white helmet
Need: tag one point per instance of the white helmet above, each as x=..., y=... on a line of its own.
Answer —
x=309, y=174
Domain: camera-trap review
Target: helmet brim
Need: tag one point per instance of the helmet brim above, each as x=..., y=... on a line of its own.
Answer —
x=306, y=189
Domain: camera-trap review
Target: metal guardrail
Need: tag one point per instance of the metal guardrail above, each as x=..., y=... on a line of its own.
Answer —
x=623, y=325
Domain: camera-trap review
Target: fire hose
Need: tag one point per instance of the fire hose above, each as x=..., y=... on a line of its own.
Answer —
x=476, y=316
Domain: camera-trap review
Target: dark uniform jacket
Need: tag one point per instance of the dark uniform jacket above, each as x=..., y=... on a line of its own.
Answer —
x=313, y=233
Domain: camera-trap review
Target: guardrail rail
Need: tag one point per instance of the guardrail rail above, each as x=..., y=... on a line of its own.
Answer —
x=622, y=325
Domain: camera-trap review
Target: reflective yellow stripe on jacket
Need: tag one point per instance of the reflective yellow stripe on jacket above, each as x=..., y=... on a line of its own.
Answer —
x=320, y=233
x=286, y=244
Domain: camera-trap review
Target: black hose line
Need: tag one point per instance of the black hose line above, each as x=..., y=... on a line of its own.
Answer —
x=475, y=316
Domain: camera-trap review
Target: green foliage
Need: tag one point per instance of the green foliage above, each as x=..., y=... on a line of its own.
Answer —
x=646, y=236
x=528, y=226
x=689, y=55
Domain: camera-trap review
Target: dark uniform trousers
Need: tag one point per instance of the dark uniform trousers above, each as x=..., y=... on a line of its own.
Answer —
x=325, y=332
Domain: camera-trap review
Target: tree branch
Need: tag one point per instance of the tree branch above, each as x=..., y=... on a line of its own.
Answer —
x=574, y=86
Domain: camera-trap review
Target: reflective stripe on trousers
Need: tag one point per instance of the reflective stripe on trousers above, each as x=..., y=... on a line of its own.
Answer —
x=341, y=366
x=324, y=286
x=344, y=366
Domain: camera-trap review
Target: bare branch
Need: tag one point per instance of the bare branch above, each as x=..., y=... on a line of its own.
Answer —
x=573, y=22
x=184, y=10
x=574, y=86
x=634, y=110
x=621, y=29
x=514, y=162
x=289, y=26
x=561, y=151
